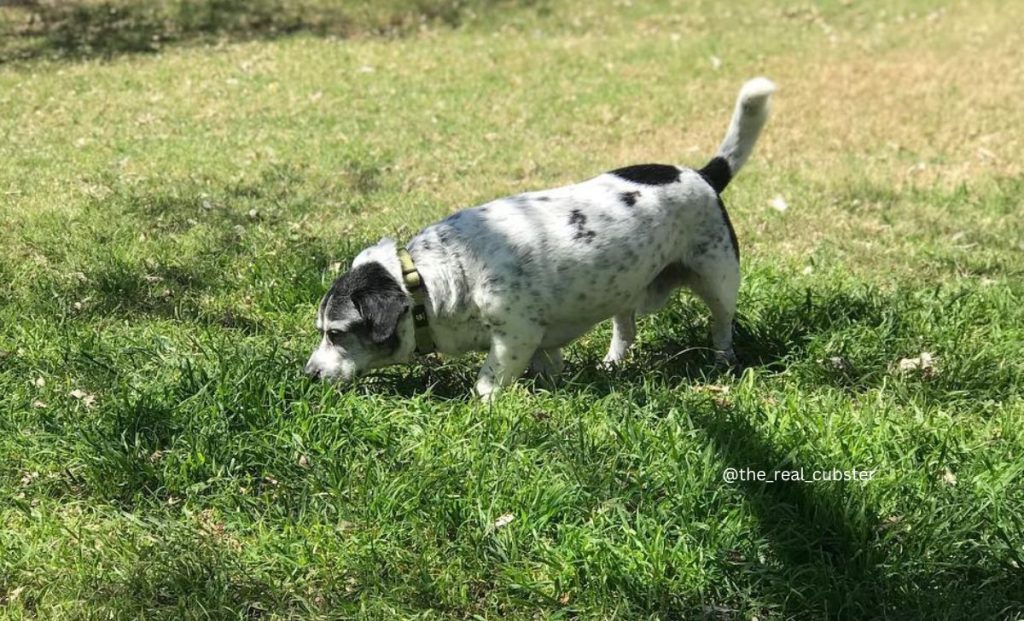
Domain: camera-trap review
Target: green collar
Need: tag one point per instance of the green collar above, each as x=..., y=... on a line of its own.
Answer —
x=414, y=283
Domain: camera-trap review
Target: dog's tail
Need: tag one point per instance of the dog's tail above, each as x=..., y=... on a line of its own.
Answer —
x=747, y=120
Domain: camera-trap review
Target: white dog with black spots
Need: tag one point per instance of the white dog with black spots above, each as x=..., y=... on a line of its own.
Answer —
x=522, y=277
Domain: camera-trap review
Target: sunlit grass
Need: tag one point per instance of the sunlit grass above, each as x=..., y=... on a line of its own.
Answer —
x=172, y=215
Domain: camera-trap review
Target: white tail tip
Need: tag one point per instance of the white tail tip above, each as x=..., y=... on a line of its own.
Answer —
x=748, y=118
x=756, y=89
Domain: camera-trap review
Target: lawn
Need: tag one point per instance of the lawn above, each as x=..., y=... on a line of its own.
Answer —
x=180, y=182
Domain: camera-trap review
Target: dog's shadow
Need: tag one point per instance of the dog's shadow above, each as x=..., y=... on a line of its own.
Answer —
x=677, y=349
x=831, y=545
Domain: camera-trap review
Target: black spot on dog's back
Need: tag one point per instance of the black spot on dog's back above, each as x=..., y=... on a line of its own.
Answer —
x=629, y=198
x=578, y=221
x=648, y=174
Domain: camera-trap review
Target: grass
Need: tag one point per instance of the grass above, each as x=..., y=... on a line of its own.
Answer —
x=172, y=213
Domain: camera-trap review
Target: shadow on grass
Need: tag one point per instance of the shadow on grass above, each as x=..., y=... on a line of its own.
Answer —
x=782, y=332
x=81, y=29
x=834, y=550
x=831, y=549
x=183, y=251
x=131, y=289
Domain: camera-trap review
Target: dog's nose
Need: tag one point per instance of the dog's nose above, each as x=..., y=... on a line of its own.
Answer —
x=311, y=370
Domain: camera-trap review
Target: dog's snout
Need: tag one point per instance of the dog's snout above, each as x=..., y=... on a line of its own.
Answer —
x=311, y=370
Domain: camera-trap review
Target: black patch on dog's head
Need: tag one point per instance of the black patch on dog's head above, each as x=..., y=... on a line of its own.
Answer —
x=648, y=174
x=378, y=298
x=629, y=198
x=717, y=173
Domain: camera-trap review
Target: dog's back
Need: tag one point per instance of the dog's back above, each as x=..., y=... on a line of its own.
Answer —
x=578, y=254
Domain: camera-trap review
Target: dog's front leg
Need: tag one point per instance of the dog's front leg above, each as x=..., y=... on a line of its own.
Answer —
x=508, y=357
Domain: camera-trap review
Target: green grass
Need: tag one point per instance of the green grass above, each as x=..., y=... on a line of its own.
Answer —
x=172, y=208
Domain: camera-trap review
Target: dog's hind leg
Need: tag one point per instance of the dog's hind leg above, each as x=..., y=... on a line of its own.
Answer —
x=547, y=363
x=657, y=294
x=510, y=354
x=716, y=280
x=623, y=335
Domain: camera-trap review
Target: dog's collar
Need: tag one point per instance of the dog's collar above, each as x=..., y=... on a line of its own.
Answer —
x=414, y=283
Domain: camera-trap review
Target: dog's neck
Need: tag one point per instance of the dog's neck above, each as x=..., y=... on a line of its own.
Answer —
x=440, y=269
x=413, y=283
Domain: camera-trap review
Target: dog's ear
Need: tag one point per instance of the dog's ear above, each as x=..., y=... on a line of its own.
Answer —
x=384, y=252
x=381, y=306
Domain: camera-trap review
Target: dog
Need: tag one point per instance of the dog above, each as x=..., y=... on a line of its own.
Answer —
x=521, y=277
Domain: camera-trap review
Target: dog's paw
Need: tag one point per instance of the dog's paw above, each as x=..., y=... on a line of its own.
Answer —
x=727, y=361
x=486, y=391
x=612, y=362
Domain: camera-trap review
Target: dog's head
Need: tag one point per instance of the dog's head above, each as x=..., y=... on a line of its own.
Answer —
x=363, y=320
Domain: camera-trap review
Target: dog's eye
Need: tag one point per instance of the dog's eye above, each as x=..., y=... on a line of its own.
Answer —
x=335, y=335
